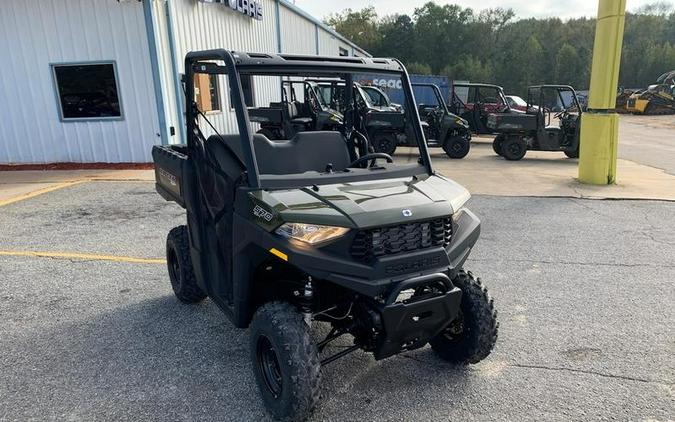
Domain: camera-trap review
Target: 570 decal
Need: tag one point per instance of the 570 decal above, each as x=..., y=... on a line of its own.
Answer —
x=262, y=213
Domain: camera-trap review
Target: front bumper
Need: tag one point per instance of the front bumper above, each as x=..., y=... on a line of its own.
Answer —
x=386, y=272
x=408, y=326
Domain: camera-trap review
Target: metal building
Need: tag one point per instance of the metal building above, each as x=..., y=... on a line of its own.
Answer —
x=99, y=80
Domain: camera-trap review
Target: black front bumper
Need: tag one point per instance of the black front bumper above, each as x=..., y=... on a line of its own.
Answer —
x=410, y=325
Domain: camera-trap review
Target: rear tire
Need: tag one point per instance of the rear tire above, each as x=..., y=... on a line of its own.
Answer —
x=179, y=264
x=472, y=335
x=573, y=153
x=497, y=144
x=514, y=148
x=457, y=146
x=384, y=143
x=285, y=361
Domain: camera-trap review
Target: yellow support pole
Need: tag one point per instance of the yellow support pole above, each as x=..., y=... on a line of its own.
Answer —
x=599, y=126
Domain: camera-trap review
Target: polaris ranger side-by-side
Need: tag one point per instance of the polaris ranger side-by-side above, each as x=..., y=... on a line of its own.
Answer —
x=317, y=229
x=533, y=130
x=442, y=128
x=474, y=102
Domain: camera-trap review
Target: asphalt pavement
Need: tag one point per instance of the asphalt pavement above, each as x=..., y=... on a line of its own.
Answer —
x=648, y=140
x=584, y=290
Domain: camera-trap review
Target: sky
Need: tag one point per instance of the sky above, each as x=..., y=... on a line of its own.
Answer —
x=523, y=8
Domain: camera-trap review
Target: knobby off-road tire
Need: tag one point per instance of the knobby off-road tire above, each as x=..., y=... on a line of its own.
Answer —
x=471, y=337
x=572, y=153
x=285, y=361
x=457, y=146
x=514, y=148
x=179, y=264
x=497, y=144
x=385, y=143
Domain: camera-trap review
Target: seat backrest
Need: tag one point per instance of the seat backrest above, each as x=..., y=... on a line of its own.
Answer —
x=306, y=151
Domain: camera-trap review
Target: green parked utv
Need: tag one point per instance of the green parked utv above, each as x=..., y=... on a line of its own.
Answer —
x=442, y=128
x=315, y=229
x=533, y=130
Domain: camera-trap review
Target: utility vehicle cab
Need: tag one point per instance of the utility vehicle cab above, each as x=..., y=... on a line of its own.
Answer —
x=441, y=127
x=315, y=228
x=380, y=120
x=474, y=102
x=552, y=122
x=301, y=109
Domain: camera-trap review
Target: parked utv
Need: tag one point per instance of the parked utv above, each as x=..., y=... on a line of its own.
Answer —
x=380, y=120
x=315, y=229
x=474, y=102
x=442, y=128
x=533, y=130
x=281, y=120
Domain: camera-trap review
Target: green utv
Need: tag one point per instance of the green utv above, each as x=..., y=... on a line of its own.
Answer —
x=442, y=128
x=313, y=230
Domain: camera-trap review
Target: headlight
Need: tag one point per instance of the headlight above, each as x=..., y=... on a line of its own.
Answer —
x=310, y=233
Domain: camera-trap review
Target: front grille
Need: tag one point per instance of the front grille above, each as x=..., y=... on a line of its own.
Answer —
x=372, y=243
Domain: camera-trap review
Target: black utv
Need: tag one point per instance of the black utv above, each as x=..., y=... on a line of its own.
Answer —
x=285, y=234
x=380, y=120
x=442, y=128
x=308, y=112
x=533, y=130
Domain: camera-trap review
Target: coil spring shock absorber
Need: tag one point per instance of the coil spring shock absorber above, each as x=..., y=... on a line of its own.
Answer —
x=306, y=301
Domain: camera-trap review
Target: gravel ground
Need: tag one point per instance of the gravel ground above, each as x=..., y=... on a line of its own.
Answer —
x=584, y=291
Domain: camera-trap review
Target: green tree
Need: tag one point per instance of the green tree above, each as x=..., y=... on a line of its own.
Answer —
x=567, y=66
x=418, y=68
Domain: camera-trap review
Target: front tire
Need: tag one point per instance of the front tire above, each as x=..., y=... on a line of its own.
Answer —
x=514, y=148
x=385, y=143
x=457, y=146
x=497, y=144
x=179, y=263
x=472, y=335
x=285, y=361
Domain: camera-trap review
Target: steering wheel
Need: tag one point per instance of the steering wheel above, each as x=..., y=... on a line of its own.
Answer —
x=372, y=156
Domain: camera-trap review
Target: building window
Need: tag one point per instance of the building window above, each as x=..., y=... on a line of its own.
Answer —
x=343, y=52
x=247, y=89
x=87, y=91
x=207, y=92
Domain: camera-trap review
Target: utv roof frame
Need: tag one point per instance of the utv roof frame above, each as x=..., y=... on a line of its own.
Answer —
x=236, y=63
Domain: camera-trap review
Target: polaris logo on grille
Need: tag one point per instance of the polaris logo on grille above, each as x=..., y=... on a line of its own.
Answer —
x=406, y=213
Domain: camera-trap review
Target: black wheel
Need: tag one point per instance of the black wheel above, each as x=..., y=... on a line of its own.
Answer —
x=457, y=147
x=179, y=263
x=384, y=143
x=497, y=144
x=472, y=335
x=514, y=148
x=269, y=134
x=572, y=153
x=285, y=361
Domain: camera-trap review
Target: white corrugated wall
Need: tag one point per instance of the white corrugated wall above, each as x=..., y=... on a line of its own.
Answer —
x=298, y=35
x=37, y=33
x=205, y=26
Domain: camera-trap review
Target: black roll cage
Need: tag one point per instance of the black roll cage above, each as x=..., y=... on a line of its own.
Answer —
x=437, y=93
x=558, y=88
x=237, y=63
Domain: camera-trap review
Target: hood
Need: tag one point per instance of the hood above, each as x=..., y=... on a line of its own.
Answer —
x=369, y=204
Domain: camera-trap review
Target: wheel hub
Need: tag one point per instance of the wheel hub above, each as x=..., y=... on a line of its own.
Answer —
x=268, y=365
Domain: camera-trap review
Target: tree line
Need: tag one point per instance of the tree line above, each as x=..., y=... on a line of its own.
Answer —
x=493, y=46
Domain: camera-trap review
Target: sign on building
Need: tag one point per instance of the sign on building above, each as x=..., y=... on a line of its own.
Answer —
x=251, y=8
